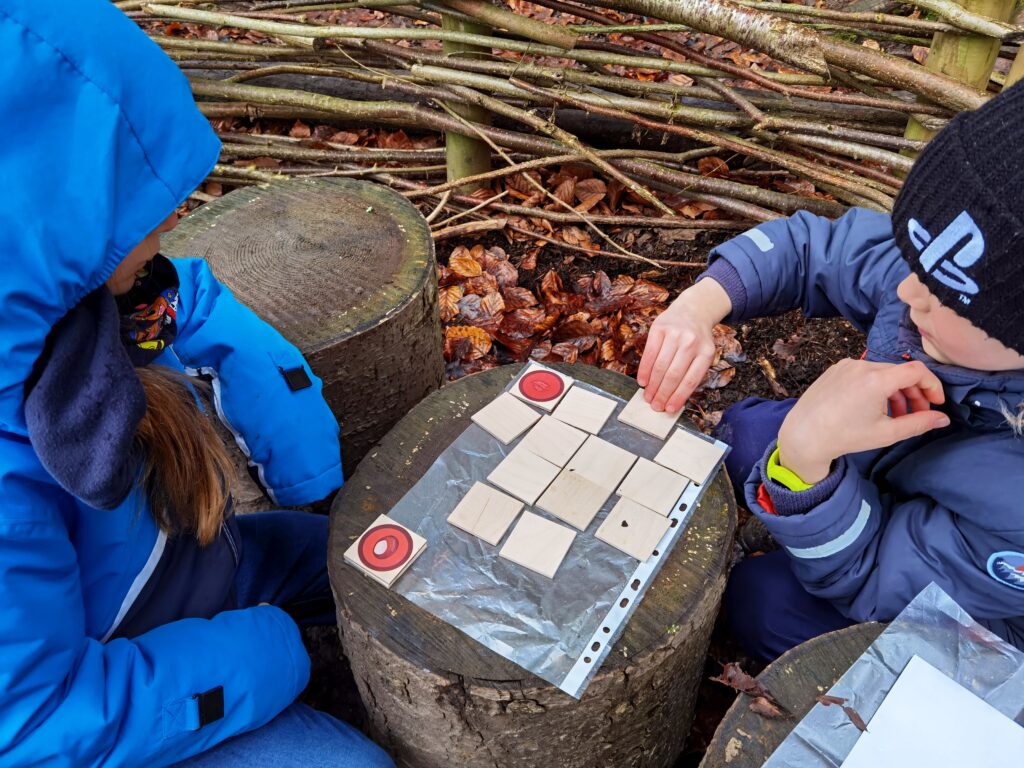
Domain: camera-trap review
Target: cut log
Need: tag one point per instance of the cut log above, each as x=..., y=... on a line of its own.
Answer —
x=745, y=739
x=437, y=698
x=345, y=271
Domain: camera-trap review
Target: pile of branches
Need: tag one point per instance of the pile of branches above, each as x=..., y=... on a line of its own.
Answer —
x=745, y=110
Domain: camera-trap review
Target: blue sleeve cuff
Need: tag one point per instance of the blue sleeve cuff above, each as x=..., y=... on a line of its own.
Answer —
x=789, y=502
x=725, y=274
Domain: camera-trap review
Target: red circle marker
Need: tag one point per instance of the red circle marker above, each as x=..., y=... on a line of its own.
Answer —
x=541, y=385
x=385, y=547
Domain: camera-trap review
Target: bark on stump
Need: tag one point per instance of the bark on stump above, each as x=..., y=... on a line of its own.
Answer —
x=345, y=270
x=437, y=698
x=796, y=679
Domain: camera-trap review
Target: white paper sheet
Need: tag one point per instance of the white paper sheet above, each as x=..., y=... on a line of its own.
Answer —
x=930, y=720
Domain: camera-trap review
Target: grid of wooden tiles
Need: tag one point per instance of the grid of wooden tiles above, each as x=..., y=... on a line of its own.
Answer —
x=653, y=486
x=633, y=529
x=385, y=550
x=538, y=544
x=523, y=474
x=553, y=440
x=586, y=410
x=638, y=414
x=505, y=417
x=601, y=462
x=573, y=498
x=485, y=512
x=541, y=386
x=689, y=455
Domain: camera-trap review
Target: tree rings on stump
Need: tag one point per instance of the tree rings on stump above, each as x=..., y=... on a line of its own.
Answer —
x=345, y=270
x=437, y=698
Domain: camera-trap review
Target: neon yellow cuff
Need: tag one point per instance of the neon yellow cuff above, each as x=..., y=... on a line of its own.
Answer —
x=784, y=477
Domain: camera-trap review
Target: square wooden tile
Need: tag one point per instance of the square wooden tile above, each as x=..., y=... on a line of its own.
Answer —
x=654, y=486
x=385, y=550
x=505, y=417
x=638, y=414
x=523, y=474
x=584, y=409
x=538, y=544
x=602, y=462
x=689, y=455
x=485, y=512
x=633, y=529
x=574, y=499
x=541, y=386
x=553, y=440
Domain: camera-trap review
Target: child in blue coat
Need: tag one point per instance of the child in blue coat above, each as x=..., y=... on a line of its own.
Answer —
x=141, y=623
x=905, y=467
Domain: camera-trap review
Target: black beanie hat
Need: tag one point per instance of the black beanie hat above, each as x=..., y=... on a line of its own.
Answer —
x=959, y=220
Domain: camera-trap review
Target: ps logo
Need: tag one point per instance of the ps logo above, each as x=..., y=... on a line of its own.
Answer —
x=956, y=248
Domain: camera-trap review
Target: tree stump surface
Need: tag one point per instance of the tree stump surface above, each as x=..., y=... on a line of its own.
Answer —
x=437, y=698
x=344, y=269
x=796, y=679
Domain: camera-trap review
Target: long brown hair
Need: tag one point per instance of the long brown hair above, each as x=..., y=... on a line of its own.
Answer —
x=187, y=470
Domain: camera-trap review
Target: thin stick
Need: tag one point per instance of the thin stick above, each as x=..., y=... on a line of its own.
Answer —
x=474, y=209
x=440, y=206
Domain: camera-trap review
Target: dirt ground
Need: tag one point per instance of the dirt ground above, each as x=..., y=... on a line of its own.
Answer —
x=784, y=355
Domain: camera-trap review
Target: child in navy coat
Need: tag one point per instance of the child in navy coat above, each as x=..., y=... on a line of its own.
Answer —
x=905, y=467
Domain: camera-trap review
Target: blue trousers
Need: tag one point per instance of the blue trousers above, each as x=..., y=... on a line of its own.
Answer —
x=284, y=562
x=768, y=610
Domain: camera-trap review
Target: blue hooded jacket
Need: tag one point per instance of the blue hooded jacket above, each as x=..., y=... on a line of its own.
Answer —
x=944, y=507
x=100, y=141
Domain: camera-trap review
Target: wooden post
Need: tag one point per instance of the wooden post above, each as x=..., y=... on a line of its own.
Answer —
x=345, y=270
x=1016, y=70
x=967, y=58
x=466, y=156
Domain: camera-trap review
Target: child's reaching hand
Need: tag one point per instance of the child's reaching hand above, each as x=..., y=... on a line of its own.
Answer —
x=680, y=346
x=857, y=406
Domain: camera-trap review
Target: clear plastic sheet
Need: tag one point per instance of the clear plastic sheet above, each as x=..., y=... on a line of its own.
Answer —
x=940, y=632
x=547, y=626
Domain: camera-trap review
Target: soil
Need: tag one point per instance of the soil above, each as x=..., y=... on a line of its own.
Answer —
x=784, y=355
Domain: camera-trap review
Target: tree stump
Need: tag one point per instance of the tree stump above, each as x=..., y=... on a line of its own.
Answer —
x=345, y=270
x=437, y=698
x=796, y=679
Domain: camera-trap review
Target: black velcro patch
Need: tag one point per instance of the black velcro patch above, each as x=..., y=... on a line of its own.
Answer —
x=296, y=378
x=211, y=705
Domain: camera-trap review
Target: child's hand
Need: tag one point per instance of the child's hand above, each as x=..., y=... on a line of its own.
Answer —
x=847, y=410
x=680, y=346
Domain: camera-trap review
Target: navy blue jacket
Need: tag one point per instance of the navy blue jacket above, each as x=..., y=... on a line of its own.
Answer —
x=945, y=507
x=100, y=140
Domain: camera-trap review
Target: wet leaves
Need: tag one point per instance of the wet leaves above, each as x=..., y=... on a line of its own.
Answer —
x=762, y=702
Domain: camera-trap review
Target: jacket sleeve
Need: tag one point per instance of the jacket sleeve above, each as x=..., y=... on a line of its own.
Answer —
x=263, y=389
x=827, y=268
x=68, y=700
x=870, y=556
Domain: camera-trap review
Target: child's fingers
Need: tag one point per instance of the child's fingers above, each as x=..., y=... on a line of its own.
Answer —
x=673, y=378
x=915, y=374
x=897, y=405
x=654, y=341
x=916, y=399
x=694, y=376
x=666, y=356
x=914, y=424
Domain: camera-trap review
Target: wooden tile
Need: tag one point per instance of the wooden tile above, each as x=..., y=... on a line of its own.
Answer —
x=574, y=499
x=553, y=440
x=485, y=512
x=584, y=409
x=505, y=417
x=385, y=550
x=523, y=474
x=538, y=544
x=653, y=486
x=639, y=414
x=689, y=455
x=633, y=529
x=541, y=386
x=601, y=462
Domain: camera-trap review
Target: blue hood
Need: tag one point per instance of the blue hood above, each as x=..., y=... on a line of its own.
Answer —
x=98, y=145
